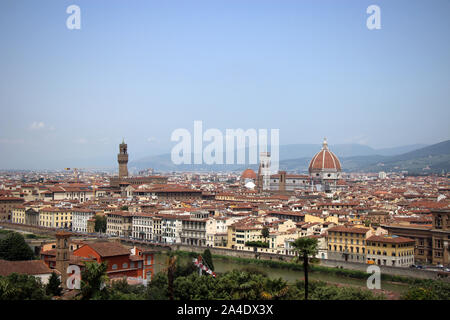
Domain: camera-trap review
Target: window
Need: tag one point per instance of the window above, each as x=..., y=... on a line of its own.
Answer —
x=125, y=265
x=114, y=266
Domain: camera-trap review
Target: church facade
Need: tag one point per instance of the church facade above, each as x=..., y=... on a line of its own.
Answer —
x=324, y=175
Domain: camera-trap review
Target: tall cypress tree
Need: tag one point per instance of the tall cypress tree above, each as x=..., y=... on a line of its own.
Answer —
x=207, y=258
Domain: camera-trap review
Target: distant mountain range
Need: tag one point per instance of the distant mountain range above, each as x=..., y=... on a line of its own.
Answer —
x=354, y=157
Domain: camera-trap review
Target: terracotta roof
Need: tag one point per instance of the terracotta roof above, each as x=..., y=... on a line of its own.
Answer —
x=108, y=249
x=324, y=159
x=390, y=239
x=248, y=174
x=348, y=229
x=29, y=267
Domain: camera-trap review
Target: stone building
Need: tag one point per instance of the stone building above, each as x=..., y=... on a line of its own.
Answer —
x=432, y=242
x=7, y=204
x=324, y=174
x=123, y=180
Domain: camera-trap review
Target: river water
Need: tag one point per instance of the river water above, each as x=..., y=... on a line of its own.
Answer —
x=222, y=265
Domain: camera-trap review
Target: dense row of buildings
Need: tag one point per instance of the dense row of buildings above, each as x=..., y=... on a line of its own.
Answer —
x=388, y=219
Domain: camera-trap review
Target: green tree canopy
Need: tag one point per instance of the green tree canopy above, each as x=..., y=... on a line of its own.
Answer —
x=265, y=233
x=121, y=290
x=53, y=287
x=305, y=247
x=21, y=287
x=100, y=224
x=207, y=258
x=14, y=248
x=93, y=281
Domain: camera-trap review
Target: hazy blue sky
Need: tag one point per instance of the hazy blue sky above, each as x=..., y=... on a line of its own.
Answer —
x=141, y=69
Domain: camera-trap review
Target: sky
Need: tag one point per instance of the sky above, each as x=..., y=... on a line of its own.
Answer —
x=141, y=69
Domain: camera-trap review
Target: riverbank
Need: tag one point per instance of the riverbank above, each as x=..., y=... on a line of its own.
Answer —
x=287, y=271
x=340, y=272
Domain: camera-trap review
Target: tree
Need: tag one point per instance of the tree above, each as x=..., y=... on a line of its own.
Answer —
x=265, y=233
x=124, y=208
x=53, y=287
x=428, y=289
x=121, y=290
x=93, y=280
x=100, y=224
x=306, y=248
x=275, y=289
x=21, y=287
x=157, y=289
x=14, y=248
x=207, y=258
x=171, y=268
x=257, y=244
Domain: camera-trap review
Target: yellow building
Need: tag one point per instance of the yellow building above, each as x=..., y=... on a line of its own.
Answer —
x=55, y=218
x=241, y=232
x=311, y=218
x=347, y=243
x=390, y=251
x=18, y=214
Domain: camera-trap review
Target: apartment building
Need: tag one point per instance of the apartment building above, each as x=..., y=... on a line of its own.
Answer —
x=347, y=243
x=143, y=226
x=80, y=218
x=18, y=214
x=55, y=218
x=390, y=251
x=119, y=223
x=7, y=204
x=431, y=241
x=193, y=231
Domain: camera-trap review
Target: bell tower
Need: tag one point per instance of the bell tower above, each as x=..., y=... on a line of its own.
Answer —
x=122, y=158
x=264, y=171
x=63, y=255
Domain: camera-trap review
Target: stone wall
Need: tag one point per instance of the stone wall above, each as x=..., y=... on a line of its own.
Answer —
x=395, y=271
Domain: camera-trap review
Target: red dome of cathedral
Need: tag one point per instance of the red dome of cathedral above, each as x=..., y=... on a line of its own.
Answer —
x=324, y=160
x=248, y=174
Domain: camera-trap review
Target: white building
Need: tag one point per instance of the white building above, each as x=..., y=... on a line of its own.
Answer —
x=216, y=229
x=80, y=219
x=143, y=226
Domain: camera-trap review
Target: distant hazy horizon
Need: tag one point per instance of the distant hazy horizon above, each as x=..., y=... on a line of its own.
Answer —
x=109, y=161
